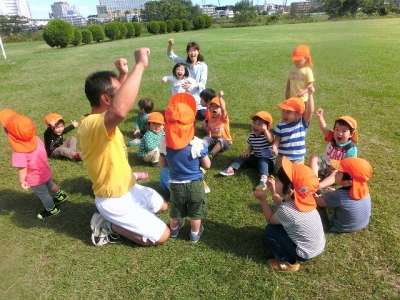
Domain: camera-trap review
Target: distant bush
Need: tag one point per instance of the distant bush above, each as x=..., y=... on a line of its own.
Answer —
x=199, y=22
x=186, y=25
x=97, y=32
x=207, y=21
x=153, y=27
x=138, y=29
x=177, y=25
x=170, y=25
x=130, y=30
x=111, y=30
x=77, y=38
x=58, y=33
x=122, y=30
x=163, y=27
x=87, y=36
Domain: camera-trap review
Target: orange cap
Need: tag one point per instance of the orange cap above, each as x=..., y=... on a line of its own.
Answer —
x=215, y=101
x=179, y=120
x=5, y=115
x=155, y=117
x=302, y=51
x=263, y=115
x=360, y=171
x=52, y=119
x=353, y=125
x=21, y=133
x=305, y=184
x=293, y=104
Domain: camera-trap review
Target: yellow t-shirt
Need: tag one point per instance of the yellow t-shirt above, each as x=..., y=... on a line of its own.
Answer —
x=105, y=157
x=299, y=78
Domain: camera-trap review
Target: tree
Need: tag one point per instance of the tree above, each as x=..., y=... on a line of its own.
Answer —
x=177, y=25
x=207, y=21
x=87, y=36
x=77, y=38
x=138, y=29
x=130, y=30
x=186, y=25
x=12, y=24
x=58, y=33
x=97, y=32
x=245, y=12
x=163, y=26
x=111, y=30
x=122, y=30
x=339, y=8
x=170, y=25
x=199, y=22
x=163, y=10
x=153, y=27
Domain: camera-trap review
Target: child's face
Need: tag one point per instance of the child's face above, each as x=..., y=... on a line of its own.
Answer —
x=193, y=53
x=258, y=126
x=215, y=110
x=155, y=127
x=180, y=72
x=341, y=133
x=289, y=116
x=300, y=63
x=58, y=129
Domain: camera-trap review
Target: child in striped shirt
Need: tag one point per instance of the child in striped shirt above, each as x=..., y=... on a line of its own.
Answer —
x=290, y=132
x=259, y=150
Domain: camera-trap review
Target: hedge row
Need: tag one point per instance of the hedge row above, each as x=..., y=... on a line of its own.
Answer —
x=177, y=25
x=59, y=33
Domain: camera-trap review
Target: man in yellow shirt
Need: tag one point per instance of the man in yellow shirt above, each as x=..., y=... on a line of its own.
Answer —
x=125, y=207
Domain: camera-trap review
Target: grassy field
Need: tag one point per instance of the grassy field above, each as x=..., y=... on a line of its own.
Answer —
x=357, y=73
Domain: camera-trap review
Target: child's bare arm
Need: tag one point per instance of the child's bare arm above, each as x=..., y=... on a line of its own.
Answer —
x=223, y=107
x=287, y=92
x=275, y=144
x=309, y=106
x=322, y=122
x=205, y=162
x=268, y=213
x=268, y=135
x=122, y=66
x=22, y=178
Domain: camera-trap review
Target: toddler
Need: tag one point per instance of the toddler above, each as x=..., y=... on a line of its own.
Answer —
x=146, y=106
x=181, y=82
x=149, y=144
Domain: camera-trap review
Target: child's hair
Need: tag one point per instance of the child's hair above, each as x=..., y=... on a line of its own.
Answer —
x=197, y=47
x=61, y=121
x=343, y=123
x=179, y=65
x=286, y=183
x=207, y=95
x=346, y=176
x=146, y=104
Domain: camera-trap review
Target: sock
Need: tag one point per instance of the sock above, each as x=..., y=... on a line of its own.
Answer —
x=194, y=232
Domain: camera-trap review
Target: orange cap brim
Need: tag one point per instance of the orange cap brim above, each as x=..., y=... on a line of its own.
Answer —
x=22, y=146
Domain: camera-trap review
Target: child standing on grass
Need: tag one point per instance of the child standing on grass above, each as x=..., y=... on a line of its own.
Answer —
x=150, y=143
x=185, y=155
x=146, y=106
x=180, y=80
x=301, y=77
x=54, y=137
x=30, y=158
x=290, y=132
x=218, y=137
x=259, y=149
x=341, y=143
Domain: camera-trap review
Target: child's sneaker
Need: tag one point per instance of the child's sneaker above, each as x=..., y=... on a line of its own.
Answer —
x=229, y=171
x=134, y=142
x=48, y=213
x=175, y=232
x=194, y=238
x=60, y=197
x=101, y=231
x=263, y=183
x=283, y=266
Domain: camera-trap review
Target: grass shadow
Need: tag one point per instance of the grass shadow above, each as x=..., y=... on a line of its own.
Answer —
x=78, y=185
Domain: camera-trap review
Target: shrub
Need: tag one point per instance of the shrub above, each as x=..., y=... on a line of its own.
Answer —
x=153, y=27
x=122, y=30
x=177, y=25
x=87, y=36
x=170, y=25
x=138, y=29
x=207, y=21
x=97, y=32
x=77, y=38
x=163, y=27
x=58, y=33
x=186, y=25
x=130, y=30
x=199, y=22
x=111, y=30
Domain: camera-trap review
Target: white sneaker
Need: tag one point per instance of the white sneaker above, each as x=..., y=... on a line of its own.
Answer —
x=101, y=230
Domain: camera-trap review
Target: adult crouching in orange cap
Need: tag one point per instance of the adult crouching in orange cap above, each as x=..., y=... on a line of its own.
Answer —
x=351, y=202
x=295, y=232
x=185, y=154
x=30, y=158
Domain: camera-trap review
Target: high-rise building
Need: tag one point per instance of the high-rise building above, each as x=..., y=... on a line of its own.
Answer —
x=117, y=9
x=15, y=8
x=62, y=10
x=122, y=5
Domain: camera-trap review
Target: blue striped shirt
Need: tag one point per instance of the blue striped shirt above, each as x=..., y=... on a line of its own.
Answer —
x=259, y=145
x=292, y=139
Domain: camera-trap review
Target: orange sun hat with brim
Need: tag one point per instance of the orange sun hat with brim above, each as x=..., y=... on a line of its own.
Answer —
x=305, y=184
x=21, y=133
x=360, y=171
x=302, y=51
x=52, y=119
x=263, y=115
x=155, y=117
x=353, y=125
x=5, y=115
x=293, y=104
x=180, y=116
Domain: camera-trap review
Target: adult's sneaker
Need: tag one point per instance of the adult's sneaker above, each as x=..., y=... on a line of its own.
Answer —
x=48, y=213
x=101, y=231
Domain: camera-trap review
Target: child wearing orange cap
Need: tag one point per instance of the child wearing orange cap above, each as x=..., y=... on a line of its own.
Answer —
x=54, y=137
x=30, y=158
x=294, y=232
x=301, y=76
x=218, y=137
x=351, y=202
x=185, y=154
x=149, y=144
x=290, y=132
x=259, y=149
x=341, y=143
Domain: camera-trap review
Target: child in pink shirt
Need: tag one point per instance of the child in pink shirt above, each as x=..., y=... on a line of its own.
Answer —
x=30, y=158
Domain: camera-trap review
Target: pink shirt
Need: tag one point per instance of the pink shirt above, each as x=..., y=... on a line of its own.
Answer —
x=38, y=170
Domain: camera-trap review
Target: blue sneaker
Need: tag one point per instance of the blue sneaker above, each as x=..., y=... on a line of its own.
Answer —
x=194, y=238
x=175, y=232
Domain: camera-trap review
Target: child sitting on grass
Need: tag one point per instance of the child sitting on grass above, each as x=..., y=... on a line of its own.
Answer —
x=351, y=202
x=290, y=132
x=301, y=76
x=30, y=158
x=181, y=82
x=146, y=106
x=150, y=142
x=185, y=155
x=259, y=150
x=54, y=137
x=219, y=138
x=341, y=143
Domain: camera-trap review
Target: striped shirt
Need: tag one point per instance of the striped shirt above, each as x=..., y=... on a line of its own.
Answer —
x=304, y=229
x=259, y=145
x=292, y=139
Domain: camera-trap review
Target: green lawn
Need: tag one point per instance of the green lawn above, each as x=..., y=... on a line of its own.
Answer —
x=357, y=73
